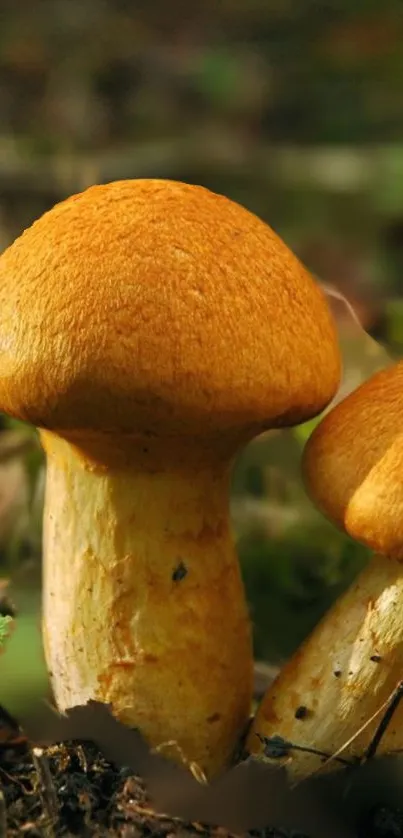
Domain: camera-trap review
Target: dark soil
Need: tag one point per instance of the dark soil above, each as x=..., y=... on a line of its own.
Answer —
x=71, y=790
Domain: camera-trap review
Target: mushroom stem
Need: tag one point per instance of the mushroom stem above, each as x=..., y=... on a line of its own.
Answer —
x=144, y=605
x=342, y=676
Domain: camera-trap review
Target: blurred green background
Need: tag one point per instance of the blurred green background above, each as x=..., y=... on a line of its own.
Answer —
x=293, y=109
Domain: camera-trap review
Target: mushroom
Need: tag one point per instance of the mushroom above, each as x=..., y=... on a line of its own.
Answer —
x=346, y=672
x=149, y=329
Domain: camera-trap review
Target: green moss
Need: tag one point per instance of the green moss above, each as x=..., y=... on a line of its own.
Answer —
x=292, y=580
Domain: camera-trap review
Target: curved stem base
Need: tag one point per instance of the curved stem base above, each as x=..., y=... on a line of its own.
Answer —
x=144, y=605
x=332, y=693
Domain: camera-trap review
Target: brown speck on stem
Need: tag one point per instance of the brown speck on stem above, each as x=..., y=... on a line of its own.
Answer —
x=301, y=712
x=180, y=572
x=150, y=658
x=376, y=658
x=215, y=717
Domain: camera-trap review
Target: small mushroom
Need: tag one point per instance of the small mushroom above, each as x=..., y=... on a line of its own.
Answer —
x=349, y=667
x=150, y=329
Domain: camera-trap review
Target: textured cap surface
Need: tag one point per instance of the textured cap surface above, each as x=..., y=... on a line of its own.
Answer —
x=158, y=306
x=353, y=463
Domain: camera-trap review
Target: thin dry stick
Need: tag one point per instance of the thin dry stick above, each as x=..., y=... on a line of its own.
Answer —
x=47, y=792
x=275, y=747
x=385, y=722
x=384, y=708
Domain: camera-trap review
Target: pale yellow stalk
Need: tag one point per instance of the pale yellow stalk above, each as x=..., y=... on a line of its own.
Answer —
x=331, y=694
x=143, y=600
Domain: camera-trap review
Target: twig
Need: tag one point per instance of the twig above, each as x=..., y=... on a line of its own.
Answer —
x=275, y=747
x=388, y=707
x=382, y=727
x=46, y=792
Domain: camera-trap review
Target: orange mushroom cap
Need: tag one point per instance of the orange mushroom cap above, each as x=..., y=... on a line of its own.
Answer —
x=353, y=463
x=149, y=304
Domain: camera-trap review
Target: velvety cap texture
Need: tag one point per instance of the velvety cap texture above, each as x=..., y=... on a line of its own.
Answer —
x=353, y=463
x=151, y=305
